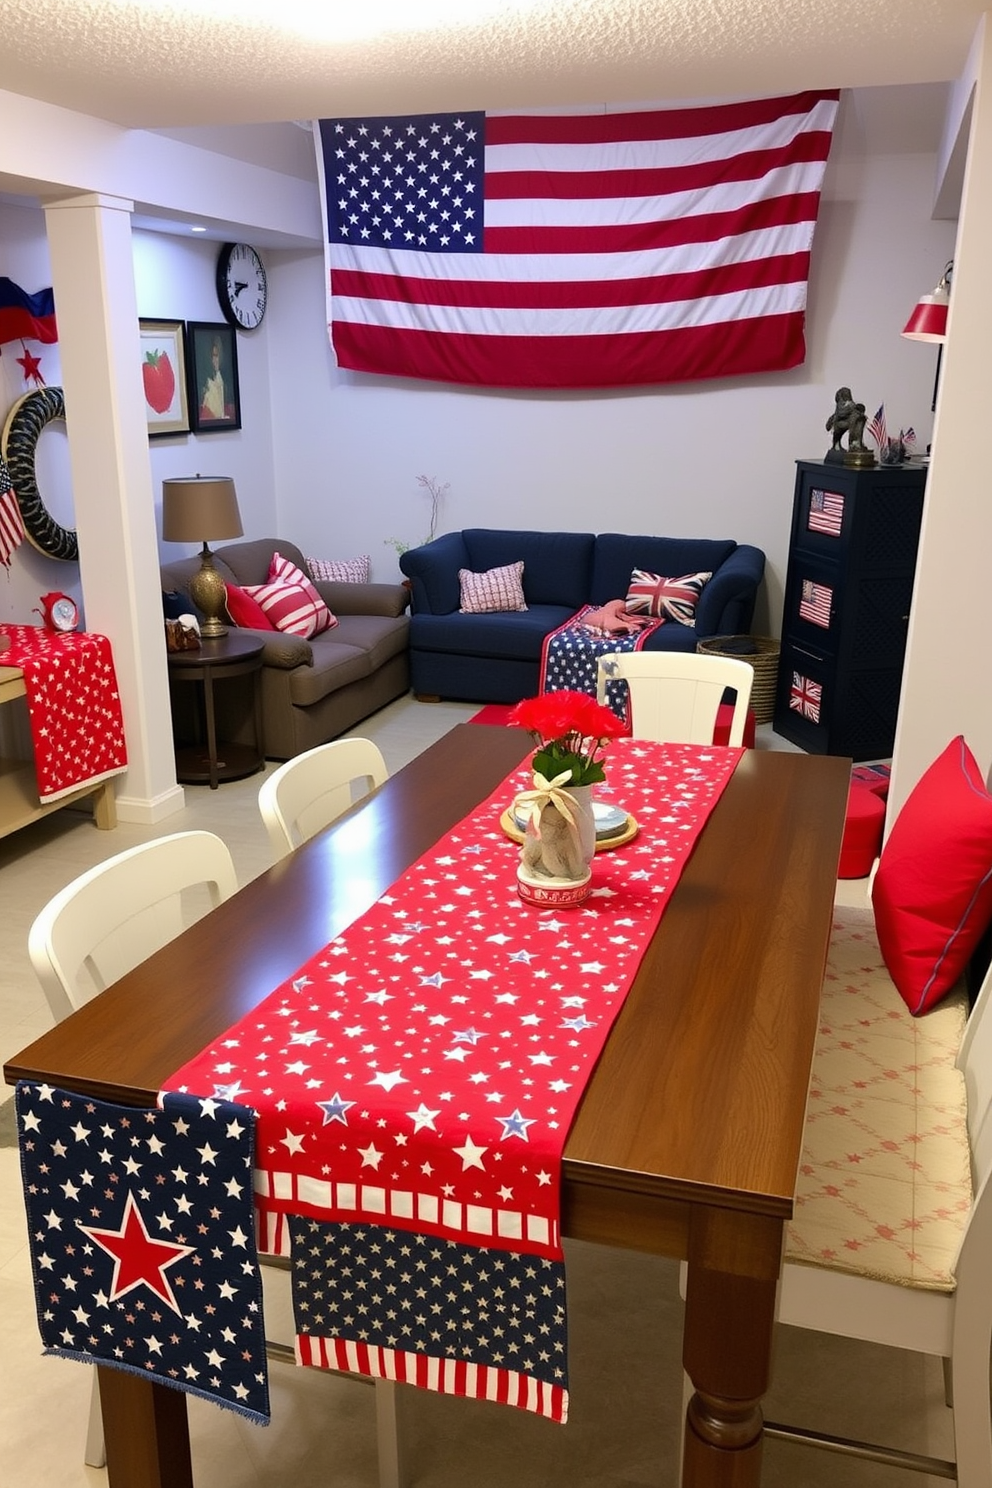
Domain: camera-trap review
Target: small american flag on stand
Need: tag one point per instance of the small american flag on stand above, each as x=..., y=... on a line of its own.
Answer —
x=805, y=697
x=877, y=429
x=814, y=603
x=11, y=525
x=826, y=512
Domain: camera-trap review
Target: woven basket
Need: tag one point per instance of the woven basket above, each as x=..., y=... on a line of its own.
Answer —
x=764, y=660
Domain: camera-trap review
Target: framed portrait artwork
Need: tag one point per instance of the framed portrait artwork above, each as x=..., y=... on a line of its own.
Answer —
x=214, y=391
x=164, y=375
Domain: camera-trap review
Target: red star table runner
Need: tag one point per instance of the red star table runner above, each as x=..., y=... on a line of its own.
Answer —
x=76, y=722
x=415, y=1082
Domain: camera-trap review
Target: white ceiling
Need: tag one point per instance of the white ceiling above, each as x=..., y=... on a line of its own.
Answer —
x=177, y=63
x=234, y=75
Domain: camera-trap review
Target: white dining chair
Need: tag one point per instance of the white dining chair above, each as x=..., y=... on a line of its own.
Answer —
x=98, y=928
x=117, y=914
x=106, y=922
x=675, y=695
x=309, y=791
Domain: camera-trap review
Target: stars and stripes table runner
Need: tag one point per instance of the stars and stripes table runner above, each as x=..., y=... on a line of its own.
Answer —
x=416, y=1079
x=142, y=1240
x=74, y=708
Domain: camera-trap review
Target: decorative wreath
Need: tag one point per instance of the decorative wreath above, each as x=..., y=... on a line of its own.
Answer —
x=21, y=433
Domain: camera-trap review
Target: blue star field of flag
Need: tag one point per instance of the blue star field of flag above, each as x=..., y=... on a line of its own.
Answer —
x=141, y=1231
x=408, y=182
x=399, y=1290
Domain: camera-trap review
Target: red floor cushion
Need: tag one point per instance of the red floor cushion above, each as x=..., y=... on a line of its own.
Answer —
x=863, y=826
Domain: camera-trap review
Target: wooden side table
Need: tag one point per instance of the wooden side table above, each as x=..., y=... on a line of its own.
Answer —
x=209, y=759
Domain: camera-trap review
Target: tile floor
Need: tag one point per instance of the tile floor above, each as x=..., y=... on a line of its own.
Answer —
x=626, y=1383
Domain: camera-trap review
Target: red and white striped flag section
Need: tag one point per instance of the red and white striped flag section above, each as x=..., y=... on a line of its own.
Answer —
x=815, y=603
x=877, y=429
x=11, y=524
x=591, y=248
x=826, y=512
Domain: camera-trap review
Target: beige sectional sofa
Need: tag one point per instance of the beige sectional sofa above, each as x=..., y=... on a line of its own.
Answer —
x=313, y=690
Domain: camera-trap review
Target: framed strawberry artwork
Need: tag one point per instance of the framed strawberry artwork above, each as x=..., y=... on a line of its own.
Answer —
x=164, y=376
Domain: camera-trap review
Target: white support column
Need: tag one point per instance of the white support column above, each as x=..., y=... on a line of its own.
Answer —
x=89, y=240
x=945, y=687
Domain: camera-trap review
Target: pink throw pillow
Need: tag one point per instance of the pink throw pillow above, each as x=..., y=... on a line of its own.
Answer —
x=666, y=599
x=290, y=600
x=246, y=611
x=932, y=892
x=493, y=592
x=341, y=570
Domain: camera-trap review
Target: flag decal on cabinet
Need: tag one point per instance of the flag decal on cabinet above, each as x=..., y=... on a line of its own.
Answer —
x=826, y=512
x=815, y=601
x=805, y=697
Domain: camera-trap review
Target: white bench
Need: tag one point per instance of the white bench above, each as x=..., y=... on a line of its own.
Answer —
x=891, y=1239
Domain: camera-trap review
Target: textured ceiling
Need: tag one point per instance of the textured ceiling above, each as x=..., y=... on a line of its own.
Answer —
x=176, y=63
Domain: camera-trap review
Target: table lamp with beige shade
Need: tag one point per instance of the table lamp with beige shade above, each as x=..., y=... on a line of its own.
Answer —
x=202, y=508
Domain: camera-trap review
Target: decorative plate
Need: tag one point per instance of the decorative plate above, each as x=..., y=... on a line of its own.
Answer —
x=614, y=826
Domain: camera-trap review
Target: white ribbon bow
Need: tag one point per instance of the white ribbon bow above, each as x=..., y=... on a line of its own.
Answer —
x=551, y=792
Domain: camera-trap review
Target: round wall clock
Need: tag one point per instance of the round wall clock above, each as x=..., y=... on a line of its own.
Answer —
x=241, y=285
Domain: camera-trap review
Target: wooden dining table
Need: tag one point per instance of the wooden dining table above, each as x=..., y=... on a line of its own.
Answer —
x=688, y=1136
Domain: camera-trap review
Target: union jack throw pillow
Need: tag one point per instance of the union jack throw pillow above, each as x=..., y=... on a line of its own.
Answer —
x=666, y=599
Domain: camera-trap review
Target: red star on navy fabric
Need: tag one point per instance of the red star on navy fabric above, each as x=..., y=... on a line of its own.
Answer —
x=139, y=1260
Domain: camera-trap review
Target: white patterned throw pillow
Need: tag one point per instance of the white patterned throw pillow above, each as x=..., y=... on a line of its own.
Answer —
x=341, y=570
x=492, y=592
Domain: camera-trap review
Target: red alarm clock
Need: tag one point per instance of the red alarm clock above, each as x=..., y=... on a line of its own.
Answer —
x=59, y=612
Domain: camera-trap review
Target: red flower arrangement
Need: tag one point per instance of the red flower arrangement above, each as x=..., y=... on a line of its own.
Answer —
x=571, y=728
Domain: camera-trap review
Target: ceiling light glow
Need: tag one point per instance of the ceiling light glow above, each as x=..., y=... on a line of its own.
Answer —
x=325, y=26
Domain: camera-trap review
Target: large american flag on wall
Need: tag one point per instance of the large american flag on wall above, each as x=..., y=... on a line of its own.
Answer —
x=588, y=248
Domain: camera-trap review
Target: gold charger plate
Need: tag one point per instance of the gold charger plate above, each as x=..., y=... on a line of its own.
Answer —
x=603, y=844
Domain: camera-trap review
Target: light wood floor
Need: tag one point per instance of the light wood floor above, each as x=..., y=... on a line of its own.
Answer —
x=624, y=1309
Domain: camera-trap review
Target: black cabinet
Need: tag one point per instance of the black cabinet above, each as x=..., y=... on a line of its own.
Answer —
x=852, y=561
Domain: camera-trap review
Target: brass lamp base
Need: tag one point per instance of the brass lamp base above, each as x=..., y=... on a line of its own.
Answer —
x=208, y=592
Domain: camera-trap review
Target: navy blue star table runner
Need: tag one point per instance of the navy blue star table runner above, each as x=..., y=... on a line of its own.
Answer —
x=142, y=1238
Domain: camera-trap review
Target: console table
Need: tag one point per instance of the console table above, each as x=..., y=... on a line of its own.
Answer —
x=19, y=803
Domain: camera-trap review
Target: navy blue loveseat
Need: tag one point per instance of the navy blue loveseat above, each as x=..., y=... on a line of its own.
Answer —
x=496, y=658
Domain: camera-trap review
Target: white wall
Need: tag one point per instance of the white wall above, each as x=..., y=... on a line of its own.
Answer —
x=174, y=280
x=330, y=459
x=709, y=459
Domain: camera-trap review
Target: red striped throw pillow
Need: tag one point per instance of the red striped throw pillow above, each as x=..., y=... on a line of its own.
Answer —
x=492, y=592
x=290, y=600
x=666, y=599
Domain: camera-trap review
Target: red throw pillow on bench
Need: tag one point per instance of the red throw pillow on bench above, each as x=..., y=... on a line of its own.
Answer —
x=932, y=893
